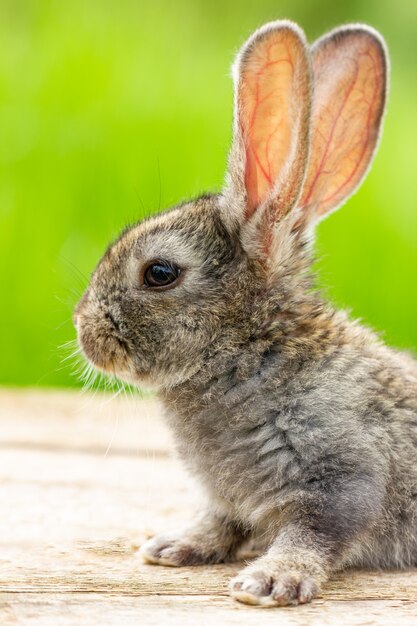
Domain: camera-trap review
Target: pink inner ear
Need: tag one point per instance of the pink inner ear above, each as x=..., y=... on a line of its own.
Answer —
x=273, y=105
x=349, y=75
x=268, y=108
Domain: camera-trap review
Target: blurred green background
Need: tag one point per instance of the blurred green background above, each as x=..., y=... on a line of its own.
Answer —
x=111, y=108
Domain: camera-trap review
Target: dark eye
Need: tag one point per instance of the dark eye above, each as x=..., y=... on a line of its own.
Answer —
x=161, y=274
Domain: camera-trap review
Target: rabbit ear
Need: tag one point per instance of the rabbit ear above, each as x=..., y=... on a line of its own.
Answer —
x=350, y=84
x=271, y=127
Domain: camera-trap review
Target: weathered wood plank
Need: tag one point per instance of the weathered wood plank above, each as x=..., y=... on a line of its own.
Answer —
x=109, y=610
x=73, y=513
x=74, y=420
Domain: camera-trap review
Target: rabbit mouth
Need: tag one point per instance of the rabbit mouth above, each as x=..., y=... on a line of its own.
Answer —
x=103, y=346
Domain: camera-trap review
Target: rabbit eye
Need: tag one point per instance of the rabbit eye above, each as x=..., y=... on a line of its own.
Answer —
x=160, y=274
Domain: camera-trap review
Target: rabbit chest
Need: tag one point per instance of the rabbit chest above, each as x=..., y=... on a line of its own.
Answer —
x=264, y=438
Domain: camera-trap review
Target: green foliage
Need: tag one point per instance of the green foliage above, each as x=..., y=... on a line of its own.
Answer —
x=111, y=109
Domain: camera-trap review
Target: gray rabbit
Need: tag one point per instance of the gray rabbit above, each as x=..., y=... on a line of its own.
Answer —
x=299, y=424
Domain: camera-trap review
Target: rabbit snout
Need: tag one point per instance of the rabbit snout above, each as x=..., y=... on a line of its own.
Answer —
x=99, y=335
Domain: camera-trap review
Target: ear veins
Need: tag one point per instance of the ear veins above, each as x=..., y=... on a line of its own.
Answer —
x=349, y=74
x=320, y=169
x=253, y=158
x=365, y=147
x=271, y=133
x=269, y=118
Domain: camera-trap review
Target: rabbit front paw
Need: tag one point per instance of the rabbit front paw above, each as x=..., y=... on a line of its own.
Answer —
x=275, y=588
x=173, y=551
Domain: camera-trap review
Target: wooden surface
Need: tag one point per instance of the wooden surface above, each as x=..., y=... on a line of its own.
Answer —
x=83, y=481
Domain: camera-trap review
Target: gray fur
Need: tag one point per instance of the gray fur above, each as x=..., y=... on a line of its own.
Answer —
x=300, y=425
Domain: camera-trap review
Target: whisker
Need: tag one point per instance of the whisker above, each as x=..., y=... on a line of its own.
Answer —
x=80, y=275
x=160, y=184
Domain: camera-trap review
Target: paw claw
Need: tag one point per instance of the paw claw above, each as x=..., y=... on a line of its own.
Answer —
x=279, y=590
x=251, y=589
x=156, y=551
x=174, y=551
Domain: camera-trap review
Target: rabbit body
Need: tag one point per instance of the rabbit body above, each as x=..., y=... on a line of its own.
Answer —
x=334, y=426
x=300, y=425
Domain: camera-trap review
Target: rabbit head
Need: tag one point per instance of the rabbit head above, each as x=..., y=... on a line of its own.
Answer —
x=213, y=274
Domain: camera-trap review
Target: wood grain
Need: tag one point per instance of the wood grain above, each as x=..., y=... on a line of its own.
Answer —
x=84, y=481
